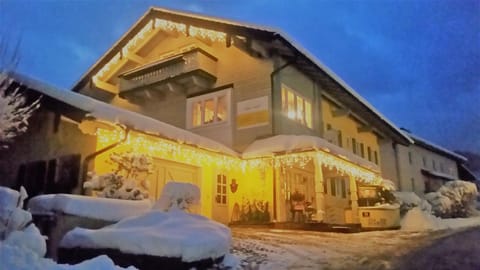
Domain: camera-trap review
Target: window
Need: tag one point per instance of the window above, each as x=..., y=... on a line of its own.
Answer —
x=354, y=145
x=375, y=155
x=369, y=153
x=434, y=165
x=296, y=107
x=442, y=167
x=340, y=141
x=221, y=190
x=208, y=109
x=362, y=150
x=424, y=159
x=333, y=188
x=410, y=160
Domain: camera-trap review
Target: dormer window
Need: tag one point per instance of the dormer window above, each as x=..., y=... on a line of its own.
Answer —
x=208, y=109
x=296, y=107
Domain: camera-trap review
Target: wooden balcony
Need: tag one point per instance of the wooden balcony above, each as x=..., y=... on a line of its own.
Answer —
x=187, y=73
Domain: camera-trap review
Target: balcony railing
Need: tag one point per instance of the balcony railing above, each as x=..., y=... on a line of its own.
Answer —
x=179, y=69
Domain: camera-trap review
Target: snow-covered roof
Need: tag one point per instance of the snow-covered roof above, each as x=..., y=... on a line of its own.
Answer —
x=434, y=147
x=243, y=28
x=295, y=143
x=106, y=112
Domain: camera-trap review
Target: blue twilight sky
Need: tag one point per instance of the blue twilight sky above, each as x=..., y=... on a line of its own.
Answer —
x=416, y=61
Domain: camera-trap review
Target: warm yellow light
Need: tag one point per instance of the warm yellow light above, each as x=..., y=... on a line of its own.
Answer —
x=162, y=24
x=166, y=149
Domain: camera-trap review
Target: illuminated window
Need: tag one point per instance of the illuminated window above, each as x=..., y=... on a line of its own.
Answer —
x=221, y=189
x=296, y=107
x=208, y=109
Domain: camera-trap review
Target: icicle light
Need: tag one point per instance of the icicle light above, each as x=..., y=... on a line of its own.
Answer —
x=166, y=149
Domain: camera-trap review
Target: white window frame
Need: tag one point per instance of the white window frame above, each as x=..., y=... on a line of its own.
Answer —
x=202, y=98
x=296, y=95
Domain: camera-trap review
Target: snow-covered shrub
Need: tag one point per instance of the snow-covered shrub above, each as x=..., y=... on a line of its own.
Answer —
x=409, y=200
x=177, y=195
x=16, y=226
x=124, y=182
x=14, y=112
x=454, y=199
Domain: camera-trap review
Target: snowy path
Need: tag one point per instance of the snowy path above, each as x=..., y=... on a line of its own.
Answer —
x=283, y=249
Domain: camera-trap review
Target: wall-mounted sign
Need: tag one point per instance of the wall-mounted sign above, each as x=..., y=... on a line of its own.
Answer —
x=252, y=113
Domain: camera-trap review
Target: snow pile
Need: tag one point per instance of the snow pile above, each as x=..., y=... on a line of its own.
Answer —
x=168, y=234
x=22, y=247
x=418, y=220
x=454, y=199
x=178, y=195
x=18, y=258
x=104, y=209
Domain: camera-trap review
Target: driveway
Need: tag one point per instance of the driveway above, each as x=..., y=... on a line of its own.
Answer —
x=288, y=249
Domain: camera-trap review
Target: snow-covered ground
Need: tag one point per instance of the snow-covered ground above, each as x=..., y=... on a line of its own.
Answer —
x=286, y=249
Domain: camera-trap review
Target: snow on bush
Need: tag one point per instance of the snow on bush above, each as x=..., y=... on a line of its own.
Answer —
x=14, y=112
x=177, y=195
x=77, y=205
x=454, y=199
x=175, y=233
x=409, y=200
x=388, y=185
x=124, y=182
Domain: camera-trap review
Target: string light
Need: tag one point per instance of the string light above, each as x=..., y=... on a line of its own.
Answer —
x=149, y=27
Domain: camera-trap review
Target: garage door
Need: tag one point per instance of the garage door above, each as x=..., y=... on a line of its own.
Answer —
x=165, y=171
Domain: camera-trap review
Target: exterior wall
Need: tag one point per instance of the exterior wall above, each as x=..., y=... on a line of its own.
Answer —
x=388, y=163
x=305, y=87
x=43, y=143
x=253, y=185
x=412, y=178
x=349, y=131
x=250, y=78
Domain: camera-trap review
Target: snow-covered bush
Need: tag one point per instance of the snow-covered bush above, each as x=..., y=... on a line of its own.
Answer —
x=124, y=182
x=177, y=195
x=14, y=112
x=454, y=199
x=409, y=200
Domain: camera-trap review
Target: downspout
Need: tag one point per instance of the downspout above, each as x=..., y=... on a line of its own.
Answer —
x=90, y=157
x=272, y=83
x=397, y=165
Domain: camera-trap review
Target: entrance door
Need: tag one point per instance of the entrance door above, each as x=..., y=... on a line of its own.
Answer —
x=300, y=193
x=337, y=197
x=220, y=199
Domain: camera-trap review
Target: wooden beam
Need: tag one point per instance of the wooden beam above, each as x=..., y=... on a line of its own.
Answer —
x=174, y=88
x=146, y=40
x=136, y=58
x=115, y=69
x=106, y=86
x=364, y=129
x=341, y=113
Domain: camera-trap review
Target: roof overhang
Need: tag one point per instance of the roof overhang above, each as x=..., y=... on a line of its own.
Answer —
x=277, y=43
